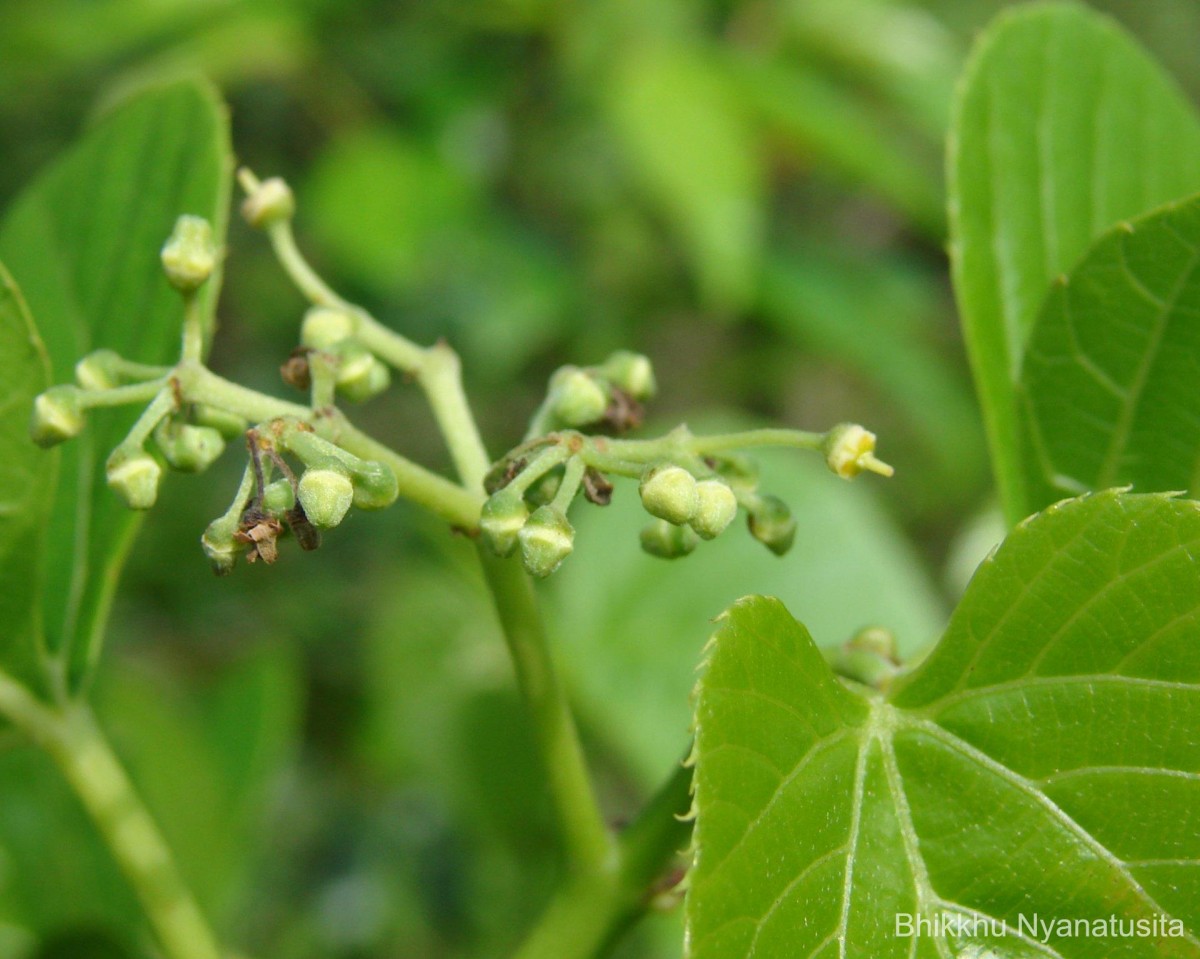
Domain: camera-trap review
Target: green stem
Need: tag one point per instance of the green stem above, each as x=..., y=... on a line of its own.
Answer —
x=585, y=835
x=193, y=328
x=589, y=912
x=122, y=395
x=589, y=848
x=440, y=376
x=93, y=770
x=157, y=410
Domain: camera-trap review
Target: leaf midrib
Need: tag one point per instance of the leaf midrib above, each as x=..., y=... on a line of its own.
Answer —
x=885, y=720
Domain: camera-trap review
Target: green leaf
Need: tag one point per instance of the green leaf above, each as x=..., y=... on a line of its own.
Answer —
x=1063, y=126
x=630, y=624
x=26, y=479
x=1108, y=386
x=1042, y=760
x=691, y=150
x=83, y=243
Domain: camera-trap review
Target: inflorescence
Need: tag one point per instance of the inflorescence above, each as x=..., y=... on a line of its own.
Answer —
x=692, y=486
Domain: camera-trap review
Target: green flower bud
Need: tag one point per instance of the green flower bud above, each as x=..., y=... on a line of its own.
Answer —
x=668, y=541
x=669, y=492
x=576, y=398
x=501, y=521
x=545, y=488
x=375, y=485
x=188, y=448
x=269, y=203
x=220, y=546
x=95, y=371
x=850, y=449
x=772, y=524
x=547, y=538
x=360, y=374
x=324, y=327
x=326, y=495
x=57, y=416
x=189, y=255
x=716, y=506
x=229, y=425
x=877, y=640
x=278, y=497
x=134, y=475
x=632, y=372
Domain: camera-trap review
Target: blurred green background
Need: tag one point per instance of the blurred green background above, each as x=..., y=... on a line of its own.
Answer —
x=749, y=191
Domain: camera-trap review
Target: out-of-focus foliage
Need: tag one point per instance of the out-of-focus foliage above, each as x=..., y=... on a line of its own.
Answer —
x=749, y=191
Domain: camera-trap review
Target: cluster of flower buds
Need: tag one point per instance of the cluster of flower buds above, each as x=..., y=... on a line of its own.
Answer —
x=329, y=347
x=693, y=486
x=606, y=398
x=331, y=481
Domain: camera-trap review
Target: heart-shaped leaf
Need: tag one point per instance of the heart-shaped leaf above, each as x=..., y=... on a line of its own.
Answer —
x=83, y=244
x=1108, y=386
x=26, y=480
x=1041, y=764
x=1063, y=127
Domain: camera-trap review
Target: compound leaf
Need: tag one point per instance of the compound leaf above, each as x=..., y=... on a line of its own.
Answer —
x=1108, y=384
x=82, y=241
x=1063, y=127
x=1042, y=762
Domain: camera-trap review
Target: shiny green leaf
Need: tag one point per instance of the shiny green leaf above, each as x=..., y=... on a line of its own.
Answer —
x=1041, y=762
x=1063, y=127
x=83, y=241
x=1108, y=386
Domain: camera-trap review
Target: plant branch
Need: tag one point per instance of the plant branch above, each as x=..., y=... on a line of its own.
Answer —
x=589, y=912
x=589, y=847
x=76, y=743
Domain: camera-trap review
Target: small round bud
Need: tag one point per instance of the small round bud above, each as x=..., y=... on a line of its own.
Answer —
x=57, y=416
x=716, y=506
x=547, y=538
x=772, y=524
x=95, y=371
x=189, y=255
x=545, y=488
x=278, y=497
x=501, y=520
x=188, y=448
x=220, y=547
x=269, y=203
x=669, y=492
x=360, y=374
x=326, y=496
x=134, y=475
x=576, y=398
x=668, y=541
x=324, y=327
x=632, y=372
x=877, y=640
x=375, y=485
x=228, y=425
x=850, y=449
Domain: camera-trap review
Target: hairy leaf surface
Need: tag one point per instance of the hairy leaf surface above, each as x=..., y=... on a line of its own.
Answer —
x=1108, y=387
x=83, y=243
x=1044, y=760
x=1063, y=127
